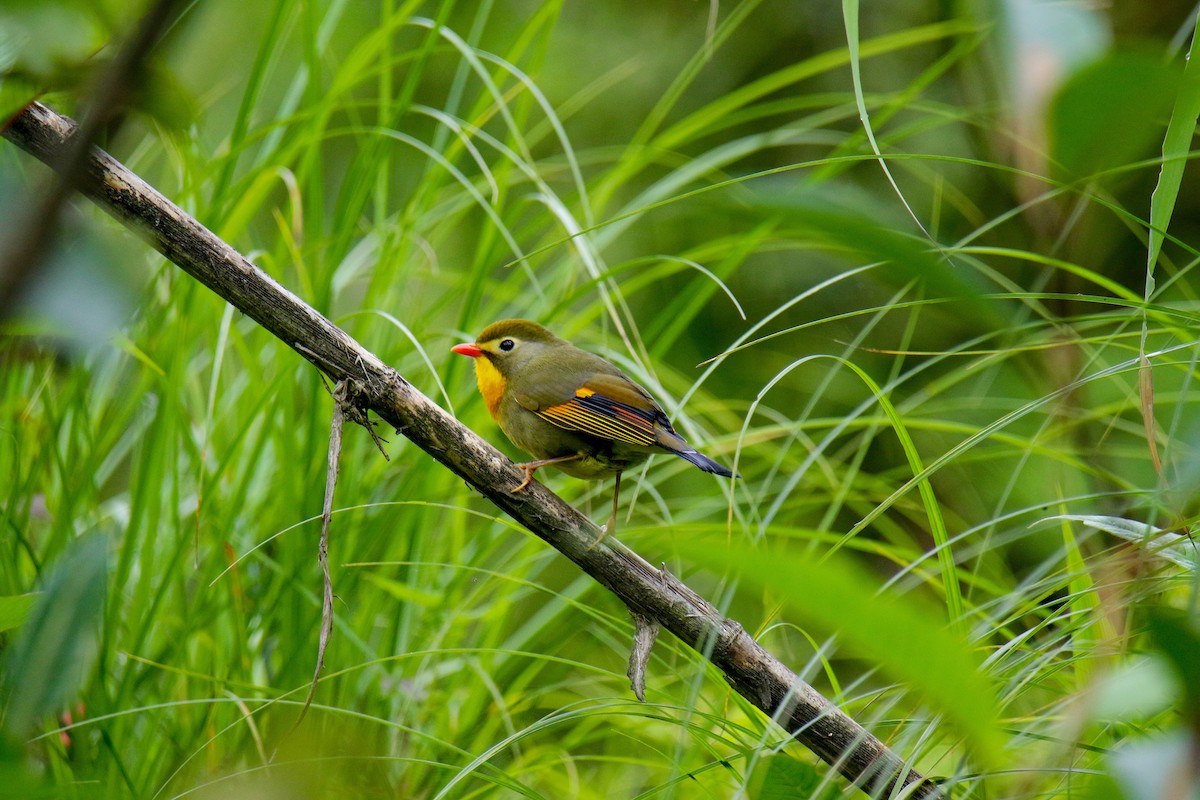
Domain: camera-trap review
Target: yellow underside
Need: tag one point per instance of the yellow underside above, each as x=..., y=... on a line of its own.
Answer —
x=491, y=385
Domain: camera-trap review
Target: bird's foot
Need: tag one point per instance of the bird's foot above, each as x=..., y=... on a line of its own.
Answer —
x=530, y=467
x=528, y=470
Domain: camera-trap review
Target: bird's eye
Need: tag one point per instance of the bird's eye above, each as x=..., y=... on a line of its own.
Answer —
x=507, y=344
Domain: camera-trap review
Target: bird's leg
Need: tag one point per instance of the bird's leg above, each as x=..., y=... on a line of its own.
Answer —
x=611, y=527
x=530, y=467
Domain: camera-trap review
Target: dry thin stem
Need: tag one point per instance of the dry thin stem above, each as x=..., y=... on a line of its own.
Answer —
x=340, y=401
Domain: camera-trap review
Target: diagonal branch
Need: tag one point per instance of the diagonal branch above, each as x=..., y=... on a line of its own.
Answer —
x=753, y=672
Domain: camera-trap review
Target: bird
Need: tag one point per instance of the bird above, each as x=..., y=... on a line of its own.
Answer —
x=571, y=409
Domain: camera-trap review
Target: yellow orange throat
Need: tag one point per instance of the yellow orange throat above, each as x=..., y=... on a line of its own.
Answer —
x=491, y=385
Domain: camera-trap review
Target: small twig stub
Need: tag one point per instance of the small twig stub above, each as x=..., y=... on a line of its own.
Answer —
x=645, y=632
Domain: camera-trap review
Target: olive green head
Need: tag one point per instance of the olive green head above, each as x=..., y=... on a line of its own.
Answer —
x=511, y=344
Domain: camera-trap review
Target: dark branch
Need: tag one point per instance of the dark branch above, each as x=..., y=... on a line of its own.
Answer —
x=748, y=667
x=108, y=100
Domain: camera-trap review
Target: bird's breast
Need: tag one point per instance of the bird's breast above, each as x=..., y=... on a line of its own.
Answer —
x=491, y=385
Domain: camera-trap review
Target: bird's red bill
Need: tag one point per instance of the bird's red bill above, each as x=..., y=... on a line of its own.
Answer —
x=470, y=350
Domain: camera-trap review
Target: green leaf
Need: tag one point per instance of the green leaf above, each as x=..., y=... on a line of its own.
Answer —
x=1135, y=691
x=1174, y=547
x=1176, y=146
x=15, y=93
x=900, y=635
x=778, y=776
x=1126, y=92
x=14, y=609
x=19, y=778
x=53, y=655
x=844, y=219
x=1176, y=636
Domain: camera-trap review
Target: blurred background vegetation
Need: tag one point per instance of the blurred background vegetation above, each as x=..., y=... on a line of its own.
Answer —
x=894, y=262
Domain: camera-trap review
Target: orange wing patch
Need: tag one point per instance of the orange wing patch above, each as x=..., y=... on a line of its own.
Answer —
x=601, y=416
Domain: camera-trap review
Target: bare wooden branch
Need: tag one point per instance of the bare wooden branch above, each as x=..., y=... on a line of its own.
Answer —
x=748, y=667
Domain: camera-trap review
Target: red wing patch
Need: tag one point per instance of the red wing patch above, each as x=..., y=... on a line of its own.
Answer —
x=601, y=416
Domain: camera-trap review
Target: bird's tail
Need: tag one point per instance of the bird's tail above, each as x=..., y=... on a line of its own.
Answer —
x=704, y=462
x=676, y=444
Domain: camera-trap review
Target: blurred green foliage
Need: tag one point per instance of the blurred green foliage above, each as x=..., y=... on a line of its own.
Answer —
x=935, y=370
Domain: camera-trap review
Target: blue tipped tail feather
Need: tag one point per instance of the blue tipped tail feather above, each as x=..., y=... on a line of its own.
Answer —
x=704, y=462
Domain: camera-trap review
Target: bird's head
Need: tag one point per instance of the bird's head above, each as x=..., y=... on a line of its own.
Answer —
x=509, y=345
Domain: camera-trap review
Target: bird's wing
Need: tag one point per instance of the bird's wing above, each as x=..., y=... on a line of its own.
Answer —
x=609, y=407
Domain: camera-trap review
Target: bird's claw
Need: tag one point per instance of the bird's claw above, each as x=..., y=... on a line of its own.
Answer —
x=528, y=478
